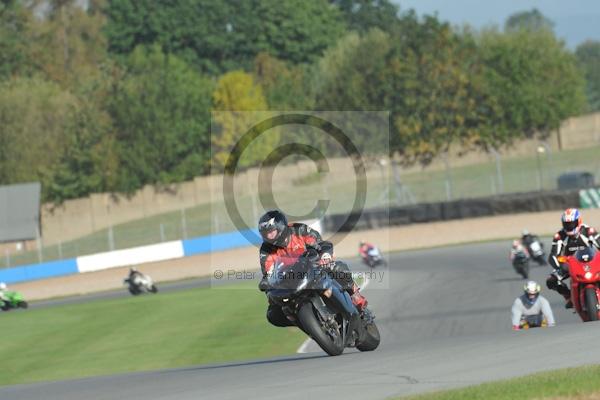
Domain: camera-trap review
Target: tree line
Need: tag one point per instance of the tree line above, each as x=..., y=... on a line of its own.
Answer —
x=119, y=94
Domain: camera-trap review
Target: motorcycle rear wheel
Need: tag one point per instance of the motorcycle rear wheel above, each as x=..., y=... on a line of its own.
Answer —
x=312, y=325
x=591, y=304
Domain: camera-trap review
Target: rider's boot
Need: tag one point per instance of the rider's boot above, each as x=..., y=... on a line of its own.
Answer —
x=566, y=293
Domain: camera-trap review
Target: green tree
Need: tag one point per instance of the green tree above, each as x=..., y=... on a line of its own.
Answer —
x=426, y=74
x=286, y=87
x=34, y=115
x=532, y=80
x=88, y=162
x=363, y=15
x=67, y=44
x=223, y=35
x=532, y=20
x=438, y=95
x=160, y=114
x=294, y=30
x=15, y=57
x=588, y=58
x=236, y=93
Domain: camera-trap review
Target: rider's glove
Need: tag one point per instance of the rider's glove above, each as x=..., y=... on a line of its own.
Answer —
x=263, y=285
x=516, y=328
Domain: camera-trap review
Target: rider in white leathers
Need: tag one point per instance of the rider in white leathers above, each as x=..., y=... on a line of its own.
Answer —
x=531, y=305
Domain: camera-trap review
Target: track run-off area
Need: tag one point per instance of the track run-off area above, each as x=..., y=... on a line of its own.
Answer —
x=444, y=318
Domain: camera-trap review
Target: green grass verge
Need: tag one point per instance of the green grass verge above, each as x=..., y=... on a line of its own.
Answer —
x=166, y=330
x=559, y=383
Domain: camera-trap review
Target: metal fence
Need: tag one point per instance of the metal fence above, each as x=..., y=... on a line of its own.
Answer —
x=387, y=184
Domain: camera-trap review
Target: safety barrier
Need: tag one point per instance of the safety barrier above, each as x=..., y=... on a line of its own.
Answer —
x=39, y=271
x=136, y=255
x=458, y=209
x=589, y=198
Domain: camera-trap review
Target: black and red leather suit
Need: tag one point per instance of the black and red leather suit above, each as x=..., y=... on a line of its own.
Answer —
x=565, y=245
x=301, y=236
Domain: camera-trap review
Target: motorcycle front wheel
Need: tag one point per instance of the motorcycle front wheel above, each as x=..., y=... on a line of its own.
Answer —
x=333, y=346
x=591, y=304
x=525, y=271
x=371, y=340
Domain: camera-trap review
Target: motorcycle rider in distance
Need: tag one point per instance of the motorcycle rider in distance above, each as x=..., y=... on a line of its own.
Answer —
x=283, y=239
x=2, y=291
x=133, y=273
x=537, y=253
x=363, y=249
x=573, y=236
x=531, y=307
x=517, y=248
x=528, y=237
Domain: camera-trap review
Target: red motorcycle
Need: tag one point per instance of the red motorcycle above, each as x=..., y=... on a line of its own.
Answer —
x=584, y=269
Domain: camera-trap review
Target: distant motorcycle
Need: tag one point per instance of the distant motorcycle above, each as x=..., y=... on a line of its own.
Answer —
x=536, y=250
x=13, y=300
x=520, y=259
x=374, y=258
x=140, y=283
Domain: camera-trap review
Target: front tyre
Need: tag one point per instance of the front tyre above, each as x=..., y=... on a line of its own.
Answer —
x=23, y=304
x=525, y=271
x=372, y=338
x=154, y=289
x=591, y=304
x=333, y=346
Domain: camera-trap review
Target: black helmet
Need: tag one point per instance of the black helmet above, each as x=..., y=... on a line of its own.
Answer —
x=273, y=227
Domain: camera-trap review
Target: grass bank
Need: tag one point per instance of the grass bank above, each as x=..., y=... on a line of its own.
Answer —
x=570, y=383
x=166, y=330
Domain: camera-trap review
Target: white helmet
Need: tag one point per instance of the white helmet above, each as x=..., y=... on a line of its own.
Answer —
x=532, y=291
x=525, y=232
x=532, y=287
x=2, y=286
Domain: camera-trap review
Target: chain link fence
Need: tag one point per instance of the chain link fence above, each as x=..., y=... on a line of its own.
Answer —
x=388, y=185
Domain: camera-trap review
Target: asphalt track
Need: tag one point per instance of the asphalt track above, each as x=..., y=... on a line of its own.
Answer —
x=445, y=322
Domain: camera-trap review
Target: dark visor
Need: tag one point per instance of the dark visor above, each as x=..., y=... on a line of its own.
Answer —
x=569, y=226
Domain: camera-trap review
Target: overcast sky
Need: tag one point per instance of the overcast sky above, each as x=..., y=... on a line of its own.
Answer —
x=575, y=20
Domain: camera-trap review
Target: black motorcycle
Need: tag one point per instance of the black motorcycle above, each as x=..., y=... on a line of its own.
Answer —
x=536, y=249
x=139, y=283
x=319, y=306
x=520, y=263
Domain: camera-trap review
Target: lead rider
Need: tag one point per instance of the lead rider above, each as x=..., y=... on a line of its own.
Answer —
x=574, y=235
x=282, y=239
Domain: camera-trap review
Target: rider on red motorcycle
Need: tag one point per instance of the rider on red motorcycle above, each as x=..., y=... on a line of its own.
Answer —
x=572, y=237
x=363, y=249
x=281, y=239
